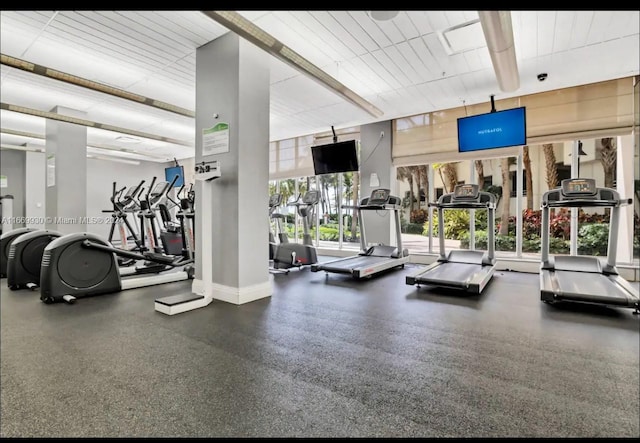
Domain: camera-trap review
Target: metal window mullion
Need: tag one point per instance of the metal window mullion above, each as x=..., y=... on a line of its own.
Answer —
x=432, y=194
x=472, y=212
x=317, y=187
x=573, y=238
x=339, y=203
x=519, y=177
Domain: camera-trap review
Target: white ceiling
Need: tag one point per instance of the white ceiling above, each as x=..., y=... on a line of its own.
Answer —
x=401, y=66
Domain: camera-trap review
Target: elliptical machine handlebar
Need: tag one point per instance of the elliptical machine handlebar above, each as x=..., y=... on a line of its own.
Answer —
x=148, y=194
x=303, y=208
x=137, y=190
x=168, y=186
x=115, y=194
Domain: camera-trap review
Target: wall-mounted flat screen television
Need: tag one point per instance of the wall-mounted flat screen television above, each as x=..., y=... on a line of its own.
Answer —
x=498, y=129
x=335, y=157
x=171, y=172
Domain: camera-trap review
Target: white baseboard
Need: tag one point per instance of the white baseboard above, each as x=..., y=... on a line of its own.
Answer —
x=237, y=296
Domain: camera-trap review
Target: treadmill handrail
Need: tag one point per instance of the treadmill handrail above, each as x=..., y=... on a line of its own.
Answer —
x=387, y=207
x=464, y=205
x=585, y=203
x=379, y=207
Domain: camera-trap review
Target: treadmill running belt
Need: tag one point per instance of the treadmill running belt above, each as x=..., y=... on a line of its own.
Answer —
x=450, y=273
x=590, y=287
x=350, y=263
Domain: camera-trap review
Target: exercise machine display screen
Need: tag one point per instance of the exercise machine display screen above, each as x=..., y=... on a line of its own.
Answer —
x=579, y=186
x=379, y=197
x=466, y=192
x=311, y=197
x=275, y=200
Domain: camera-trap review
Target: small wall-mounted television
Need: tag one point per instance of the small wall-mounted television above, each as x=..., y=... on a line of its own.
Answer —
x=498, y=129
x=171, y=172
x=335, y=157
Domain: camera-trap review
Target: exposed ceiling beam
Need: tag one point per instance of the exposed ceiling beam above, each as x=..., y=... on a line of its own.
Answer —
x=91, y=124
x=249, y=31
x=94, y=86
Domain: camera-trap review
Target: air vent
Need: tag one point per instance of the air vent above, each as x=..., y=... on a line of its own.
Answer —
x=463, y=37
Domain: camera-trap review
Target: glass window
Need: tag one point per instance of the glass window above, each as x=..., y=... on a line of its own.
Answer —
x=551, y=163
x=413, y=189
x=350, y=195
x=328, y=207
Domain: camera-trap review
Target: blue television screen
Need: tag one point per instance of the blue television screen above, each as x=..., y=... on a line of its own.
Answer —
x=170, y=174
x=493, y=130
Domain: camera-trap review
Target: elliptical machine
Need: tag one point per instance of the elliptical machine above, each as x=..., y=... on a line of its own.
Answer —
x=5, y=244
x=275, y=200
x=119, y=220
x=296, y=255
x=25, y=256
x=149, y=223
x=186, y=219
x=84, y=264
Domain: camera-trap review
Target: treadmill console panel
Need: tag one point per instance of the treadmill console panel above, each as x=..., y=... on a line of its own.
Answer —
x=579, y=188
x=379, y=197
x=466, y=192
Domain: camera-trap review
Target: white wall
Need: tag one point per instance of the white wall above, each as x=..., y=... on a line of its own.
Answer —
x=12, y=166
x=189, y=165
x=100, y=177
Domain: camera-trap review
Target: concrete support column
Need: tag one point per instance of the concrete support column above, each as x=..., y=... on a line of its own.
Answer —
x=625, y=187
x=232, y=88
x=35, y=190
x=375, y=172
x=66, y=176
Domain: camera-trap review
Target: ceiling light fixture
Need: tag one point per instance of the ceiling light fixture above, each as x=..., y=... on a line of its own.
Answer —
x=113, y=159
x=90, y=124
x=498, y=33
x=382, y=16
x=94, y=86
x=249, y=31
x=126, y=139
x=4, y=146
x=463, y=37
x=95, y=145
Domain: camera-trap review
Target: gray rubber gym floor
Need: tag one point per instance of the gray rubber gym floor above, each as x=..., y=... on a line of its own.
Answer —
x=324, y=356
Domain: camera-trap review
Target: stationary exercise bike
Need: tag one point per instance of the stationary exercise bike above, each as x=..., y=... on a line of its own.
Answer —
x=296, y=255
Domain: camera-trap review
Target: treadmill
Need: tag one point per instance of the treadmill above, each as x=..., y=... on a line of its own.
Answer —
x=377, y=258
x=466, y=270
x=584, y=279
